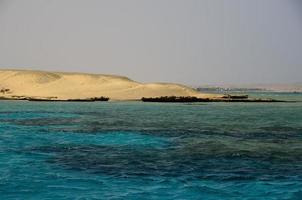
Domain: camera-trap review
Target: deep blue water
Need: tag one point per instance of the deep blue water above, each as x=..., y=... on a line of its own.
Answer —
x=135, y=150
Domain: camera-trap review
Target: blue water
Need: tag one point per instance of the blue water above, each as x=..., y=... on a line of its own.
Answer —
x=135, y=150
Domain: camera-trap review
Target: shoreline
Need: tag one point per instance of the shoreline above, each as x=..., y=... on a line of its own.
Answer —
x=230, y=99
x=93, y=99
x=172, y=99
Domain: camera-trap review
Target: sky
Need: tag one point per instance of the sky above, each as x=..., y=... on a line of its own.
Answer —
x=186, y=41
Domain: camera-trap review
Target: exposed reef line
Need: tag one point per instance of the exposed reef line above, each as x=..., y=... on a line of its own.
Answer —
x=190, y=99
x=56, y=100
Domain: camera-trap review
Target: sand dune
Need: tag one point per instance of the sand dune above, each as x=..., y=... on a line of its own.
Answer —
x=62, y=86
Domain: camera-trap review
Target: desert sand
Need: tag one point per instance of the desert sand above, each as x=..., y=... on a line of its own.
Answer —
x=65, y=85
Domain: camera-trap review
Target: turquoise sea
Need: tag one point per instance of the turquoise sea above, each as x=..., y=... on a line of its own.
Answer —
x=136, y=150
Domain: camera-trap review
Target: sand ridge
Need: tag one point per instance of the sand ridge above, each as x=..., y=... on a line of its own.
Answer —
x=67, y=85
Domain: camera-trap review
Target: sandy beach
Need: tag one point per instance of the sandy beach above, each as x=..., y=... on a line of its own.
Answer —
x=62, y=86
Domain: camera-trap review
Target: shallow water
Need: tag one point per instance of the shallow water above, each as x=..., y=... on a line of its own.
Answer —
x=134, y=150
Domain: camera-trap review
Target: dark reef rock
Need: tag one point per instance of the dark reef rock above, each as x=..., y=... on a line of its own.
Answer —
x=175, y=99
x=229, y=98
x=48, y=99
x=73, y=100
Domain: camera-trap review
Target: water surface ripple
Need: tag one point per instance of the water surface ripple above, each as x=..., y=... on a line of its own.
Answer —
x=133, y=150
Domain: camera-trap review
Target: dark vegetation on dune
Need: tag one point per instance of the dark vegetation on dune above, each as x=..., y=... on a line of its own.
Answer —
x=4, y=90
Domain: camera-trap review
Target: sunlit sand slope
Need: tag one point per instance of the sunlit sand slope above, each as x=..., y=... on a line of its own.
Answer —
x=62, y=86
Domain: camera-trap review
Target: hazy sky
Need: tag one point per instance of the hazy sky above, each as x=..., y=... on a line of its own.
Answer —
x=187, y=41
